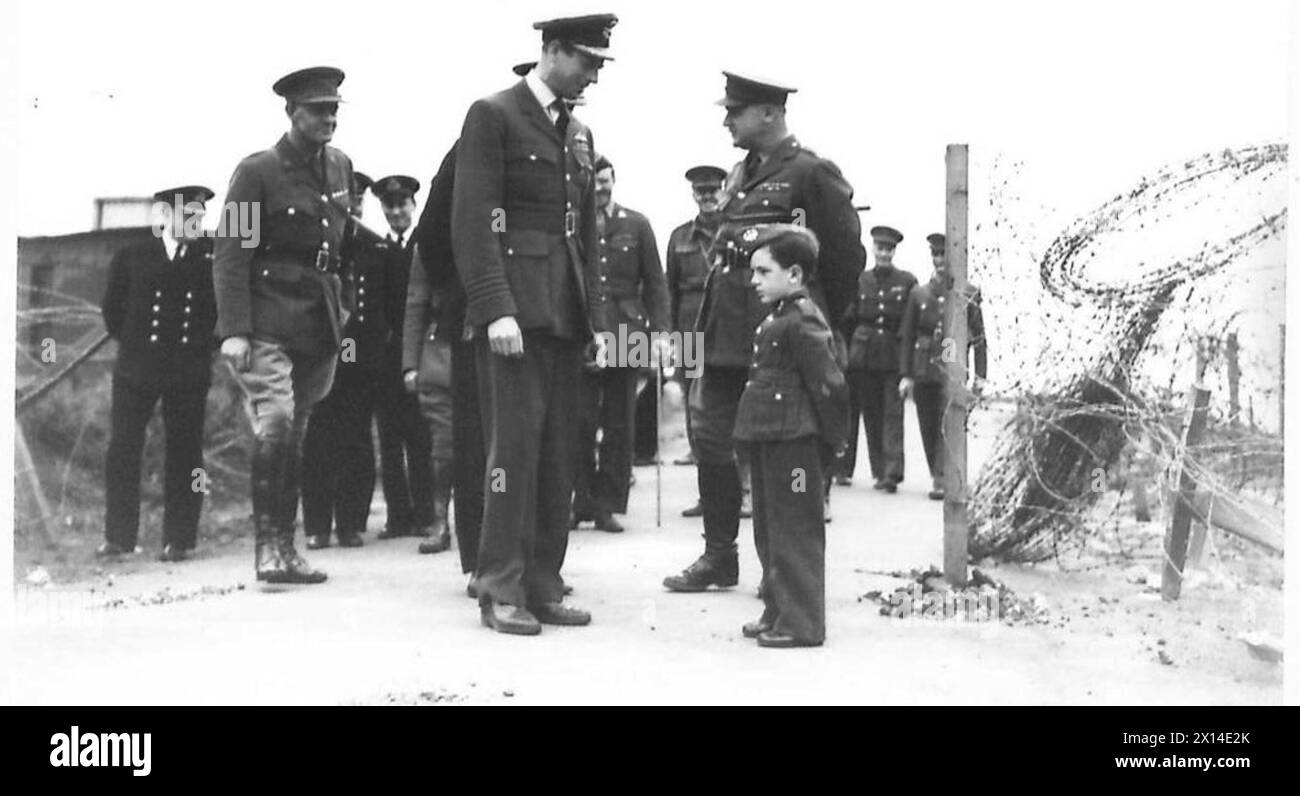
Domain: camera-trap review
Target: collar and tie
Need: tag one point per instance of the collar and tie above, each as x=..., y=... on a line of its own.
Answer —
x=561, y=115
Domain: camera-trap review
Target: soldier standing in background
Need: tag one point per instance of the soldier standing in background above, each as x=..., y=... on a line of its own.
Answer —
x=872, y=324
x=159, y=307
x=687, y=267
x=405, y=441
x=280, y=305
x=338, y=451
x=631, y=302
x=778, y=181
x=922, y=368
x=523, y=240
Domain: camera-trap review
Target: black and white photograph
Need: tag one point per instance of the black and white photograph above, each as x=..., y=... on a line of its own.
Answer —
x=559, y=353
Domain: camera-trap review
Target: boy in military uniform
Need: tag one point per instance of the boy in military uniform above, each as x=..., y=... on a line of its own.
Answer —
x=778, y=181
x=160, y=308
x=921, y=368
x=280, y=304
x=872, y=324
x=792, y=414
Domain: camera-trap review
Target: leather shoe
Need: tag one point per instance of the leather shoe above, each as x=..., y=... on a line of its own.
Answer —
x=776, y=640
x=560, y=614
x=438, y=544
x=606, y=522
x=108, y=549
x=173, y=552
x=936, y=494
x=756, y=628
x=509, y=619
x=349, y=539
x=689, y=458
x=843, y=480
x=705, y=572
x=390, y=532
x=318, y=541
x=694, y=511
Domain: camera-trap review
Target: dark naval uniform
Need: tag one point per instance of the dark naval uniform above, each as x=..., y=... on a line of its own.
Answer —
x=162, y=313
x=792, y=184
x=872, y=321
x=338, y=466
x=523, y=237
x=794, y=408
x=631, y=302
x=921, y=359
x=286, y=296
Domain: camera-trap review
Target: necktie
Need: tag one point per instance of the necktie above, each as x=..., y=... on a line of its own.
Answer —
x=561, y=116
x=399, y=239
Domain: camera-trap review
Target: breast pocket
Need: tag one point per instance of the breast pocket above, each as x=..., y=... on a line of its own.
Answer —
x=529, y=171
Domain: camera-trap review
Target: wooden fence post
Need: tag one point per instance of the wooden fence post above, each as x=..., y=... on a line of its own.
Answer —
x=956, y=526
x=1171, y=582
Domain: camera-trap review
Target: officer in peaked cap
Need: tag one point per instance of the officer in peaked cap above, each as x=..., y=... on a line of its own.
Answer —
x=923, y=373
x=875, y=317
x=159, y=308
x=280, y=303
x=779, y=181
x=529, y=312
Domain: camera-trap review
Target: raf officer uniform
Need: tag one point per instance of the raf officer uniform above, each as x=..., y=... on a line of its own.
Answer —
x=523, y=240
x=286, y=296
x=872, y=321
x=338, y=465
x=792, y=183
x=921, y=356
x=160, y=308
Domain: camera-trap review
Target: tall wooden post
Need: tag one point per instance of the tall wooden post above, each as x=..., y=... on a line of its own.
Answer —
x=1234, y=380
x=956, y=528
x=1171, y=583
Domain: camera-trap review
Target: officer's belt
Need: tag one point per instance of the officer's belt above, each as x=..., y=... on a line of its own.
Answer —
x=305, y=256
x=549, y=221
x=779, y=379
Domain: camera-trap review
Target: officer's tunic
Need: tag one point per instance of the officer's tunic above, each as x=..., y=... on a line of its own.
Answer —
x=338, y=467
x=523, y=238
x=795, y=404
x=162, y=313
x=874, y=317
x=632, y=302
x=921, y=359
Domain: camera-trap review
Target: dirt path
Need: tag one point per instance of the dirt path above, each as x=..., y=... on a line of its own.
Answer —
x=393, y=626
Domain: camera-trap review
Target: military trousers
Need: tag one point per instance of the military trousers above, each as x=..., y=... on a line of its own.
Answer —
x=338, y=464
x=405, y=455
x=468, y=453
x=790, y=534
x=530, y=429
x=645, y=438
x=183, y=406
x=847, y=462
x=882, y=418
x=602, y=470
x=714, y=399
x=929, y=398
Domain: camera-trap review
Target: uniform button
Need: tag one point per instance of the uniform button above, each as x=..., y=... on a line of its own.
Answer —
x=940, y=299
x=880, y=306
x=604, y=259
x=602, y=241
x=155, y=308
x=153, y=338
x=777, y=396
x=363, y=277
x=531, y=156
x=266, y=272
x=764, y=203
x=361, y=291
x=157, y=294
x=185, y=325
x=324, y=197
x=187, y=309
x=568, y=177
x=184, y=339
x=189, y=294
x=324, y=222
x=154, y=323
x=361, y=318
x=602, y=277
x=325, y=245
x=510, y=251
x=740, y=195
x=923, y=306
x=568, y=205
x=291, y=211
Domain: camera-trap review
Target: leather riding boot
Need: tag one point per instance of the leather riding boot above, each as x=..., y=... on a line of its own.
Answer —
x=266, y=562
x=720, y=499
x=438, y=529
x=296, y=568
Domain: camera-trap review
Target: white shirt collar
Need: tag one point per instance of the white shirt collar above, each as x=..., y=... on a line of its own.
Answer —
x=406, y=236
x=543, y=93
x=170, y=244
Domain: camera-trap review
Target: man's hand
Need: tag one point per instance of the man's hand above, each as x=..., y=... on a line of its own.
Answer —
x=410, y=381
x=905, y=388
x=239, y=351
x=661, y=352
x=505, y=338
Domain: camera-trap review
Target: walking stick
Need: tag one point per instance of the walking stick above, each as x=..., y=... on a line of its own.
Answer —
x=659, y=416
